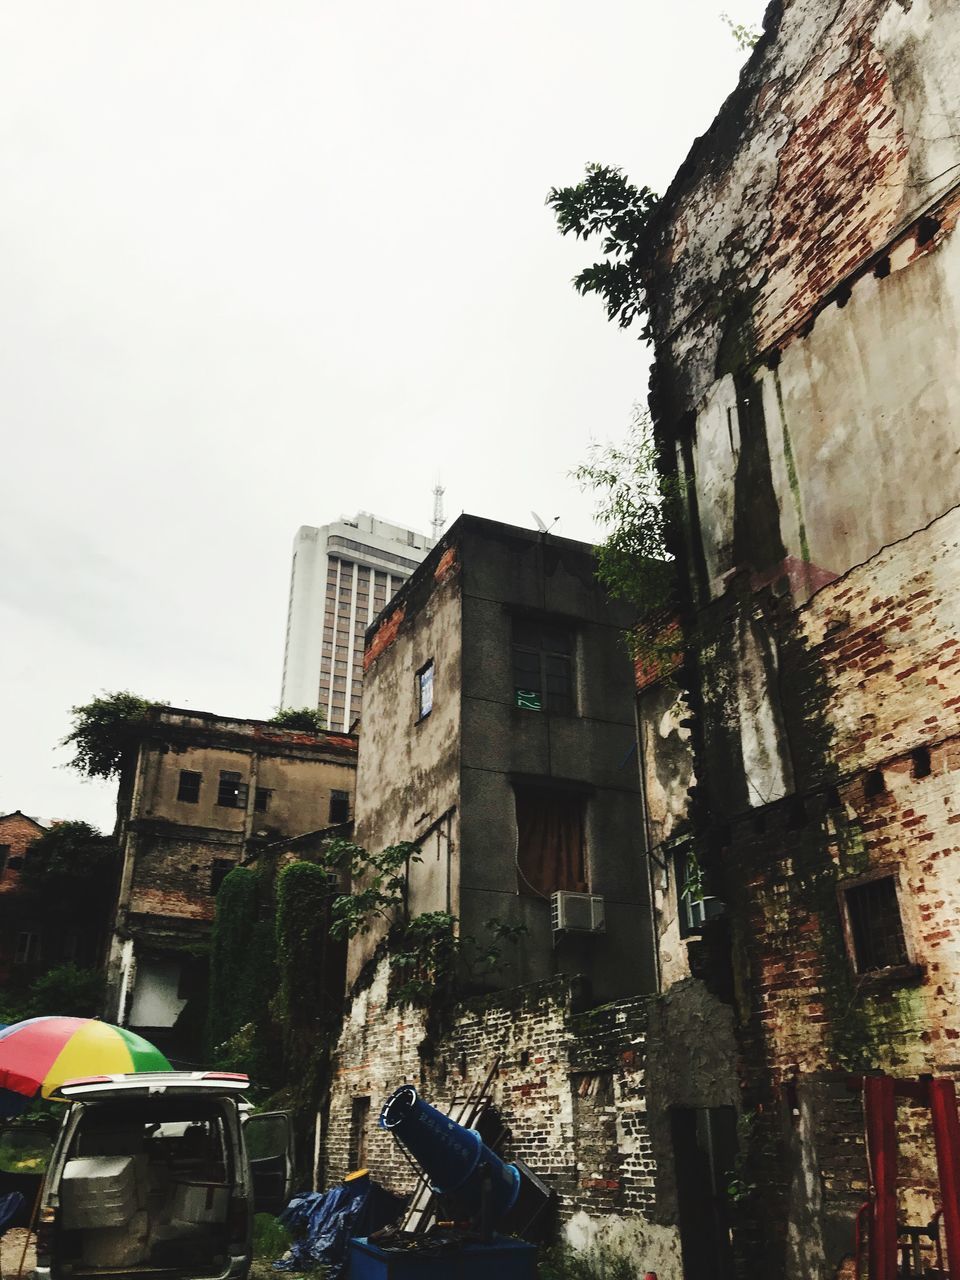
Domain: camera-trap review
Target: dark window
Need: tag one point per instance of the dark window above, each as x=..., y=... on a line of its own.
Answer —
x=220, y=868
x=359, y=1119
x=921, y=762
x=873, y=784
x=15, y=862
x=233, y=791
x=4, y=855
x=542, y=666
x=425, y=690
x=261, y=799
x=550, y=844
x=339, y=806
x=28, y=949
x=694, y=906
x=189, y=788
x=876, y=930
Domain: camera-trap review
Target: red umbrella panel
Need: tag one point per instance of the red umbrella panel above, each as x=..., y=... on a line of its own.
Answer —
x=39, y=1055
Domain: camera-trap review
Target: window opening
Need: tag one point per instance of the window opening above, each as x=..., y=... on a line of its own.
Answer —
x=189, y=789
x=359, y=1117
x=28, y=949
x=261, y=799
x=220, y=868
x=550, y=841
x=339, y=806
x=233, y=791
x=873, y=784
x=542, y=666
x=876, y=929
x=921, y=762
x=425, y=690
x=4, y=855
x=694, y=906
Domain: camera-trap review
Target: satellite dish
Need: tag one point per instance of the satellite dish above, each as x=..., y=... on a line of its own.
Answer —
x=544, y=528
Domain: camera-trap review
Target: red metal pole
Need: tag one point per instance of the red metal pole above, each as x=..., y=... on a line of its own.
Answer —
x=946, y=1136
x=881, y=1119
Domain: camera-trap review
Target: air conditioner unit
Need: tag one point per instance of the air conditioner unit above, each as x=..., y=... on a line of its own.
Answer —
x=577, y=913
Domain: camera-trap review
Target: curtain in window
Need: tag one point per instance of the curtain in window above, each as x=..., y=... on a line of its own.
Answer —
x=550, y=841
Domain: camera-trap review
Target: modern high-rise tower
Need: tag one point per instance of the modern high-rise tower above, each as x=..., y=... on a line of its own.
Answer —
x=343, y=574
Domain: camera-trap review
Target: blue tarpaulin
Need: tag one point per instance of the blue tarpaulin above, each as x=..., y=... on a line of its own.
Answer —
x=322, y=1224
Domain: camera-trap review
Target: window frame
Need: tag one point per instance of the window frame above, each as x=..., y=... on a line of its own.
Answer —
x=545, y=655
x=339, y=794
x=31, y=953
x=264, y=795
x=524, y=790
x=906, y=969
x=430, y=667
x=219, y=869
x=711, y=906
x=189, y=773
x=242, y=794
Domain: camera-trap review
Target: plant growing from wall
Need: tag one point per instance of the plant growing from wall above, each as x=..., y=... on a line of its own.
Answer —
x=635, y=502
x=243, y=975
x=377, y=885
x=105, y=731
x=427, y=954
x=305, y=719
x=303, y=903
x=605, y=204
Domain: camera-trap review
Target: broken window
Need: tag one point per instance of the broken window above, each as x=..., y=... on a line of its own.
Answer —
x=694, y=905
x=261, y=799
x=542, y=666
x=28, y=949
x=874, y=927
x=189, y=788
x=339, y=806
x=425, y=690
x=220, y=868
x=233, y=791
x=550, y=840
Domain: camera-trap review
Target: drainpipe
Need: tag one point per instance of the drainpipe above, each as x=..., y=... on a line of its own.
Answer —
x=648, y=847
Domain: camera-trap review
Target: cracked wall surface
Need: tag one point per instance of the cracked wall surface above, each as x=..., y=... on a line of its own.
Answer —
x=806, y=314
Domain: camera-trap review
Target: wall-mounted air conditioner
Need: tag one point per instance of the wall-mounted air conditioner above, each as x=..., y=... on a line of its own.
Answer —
x=577, y=913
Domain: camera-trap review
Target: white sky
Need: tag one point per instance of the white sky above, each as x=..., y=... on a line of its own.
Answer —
x=262, y=264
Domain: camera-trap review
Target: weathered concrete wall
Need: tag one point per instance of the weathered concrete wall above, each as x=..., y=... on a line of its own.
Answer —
x=570, y=1087
x=170, y=847
x=509, y=572
x=806, y=313
x=449, y=779
x=408, y=772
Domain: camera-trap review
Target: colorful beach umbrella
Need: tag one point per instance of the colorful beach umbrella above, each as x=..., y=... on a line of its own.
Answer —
x=39, y=1055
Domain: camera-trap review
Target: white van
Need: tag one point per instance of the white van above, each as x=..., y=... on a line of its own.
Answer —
x=160, y=1175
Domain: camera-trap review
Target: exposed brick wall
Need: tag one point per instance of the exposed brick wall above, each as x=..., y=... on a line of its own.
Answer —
x=569, y=1088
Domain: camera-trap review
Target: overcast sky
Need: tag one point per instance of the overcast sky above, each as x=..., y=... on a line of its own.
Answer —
x=263, y=264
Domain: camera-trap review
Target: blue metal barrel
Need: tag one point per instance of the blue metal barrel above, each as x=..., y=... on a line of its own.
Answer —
x=454, y=1158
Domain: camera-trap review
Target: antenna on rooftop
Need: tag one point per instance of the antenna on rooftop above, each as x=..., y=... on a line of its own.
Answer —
x=437, y=522
x=544, y=528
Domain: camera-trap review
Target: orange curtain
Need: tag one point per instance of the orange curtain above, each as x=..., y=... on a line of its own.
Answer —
x=550, y=841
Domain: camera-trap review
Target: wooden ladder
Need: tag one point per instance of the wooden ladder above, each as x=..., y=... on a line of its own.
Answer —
x=465, y=1111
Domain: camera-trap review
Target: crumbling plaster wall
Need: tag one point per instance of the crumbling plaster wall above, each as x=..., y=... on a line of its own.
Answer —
x=408, y=769
x=585, y=1095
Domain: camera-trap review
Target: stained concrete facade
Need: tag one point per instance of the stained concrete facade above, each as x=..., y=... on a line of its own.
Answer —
x=449, y=780
x=202, y=793
x=805, y=303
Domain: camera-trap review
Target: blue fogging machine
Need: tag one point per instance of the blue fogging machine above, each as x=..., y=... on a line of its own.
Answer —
x=461, y=1169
